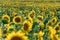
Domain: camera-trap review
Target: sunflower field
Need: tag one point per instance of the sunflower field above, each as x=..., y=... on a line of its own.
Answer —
x=29, y=20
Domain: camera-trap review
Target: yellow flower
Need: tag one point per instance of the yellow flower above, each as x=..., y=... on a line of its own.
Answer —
x=5, y=32
x=58, y=24
x=41, y=25
x=55, y=37
x=40, y=38
x=26, y=11
x=17, y=19
x=6, y=17
x=30, y=20
x=57, y=28
x=0, y=32
x=52, y=14
x=27, y=26
x=49, y=23
x=52, y=30
x=41, y=33
x=32, y=14
x=17, y=36
x=40, y=18
x=54, y=20
x=13, y=14
x=8, y=26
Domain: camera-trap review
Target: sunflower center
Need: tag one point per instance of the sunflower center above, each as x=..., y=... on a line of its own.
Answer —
x=31, y=15
x=53, y=20
x=17, y=19
x=26, y=26
x=49, y=23
x=59, y=24
x=6, y=18
x=57, y=28
x=16, y=38
x=5, y=31
x=39, y=18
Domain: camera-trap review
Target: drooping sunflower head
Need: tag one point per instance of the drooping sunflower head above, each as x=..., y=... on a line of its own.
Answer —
x=6, y=17
x=16, y=36
x=17, y=19
x=27, y=26
x=32, y=14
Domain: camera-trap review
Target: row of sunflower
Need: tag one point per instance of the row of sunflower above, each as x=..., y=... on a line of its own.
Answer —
x=30, y=23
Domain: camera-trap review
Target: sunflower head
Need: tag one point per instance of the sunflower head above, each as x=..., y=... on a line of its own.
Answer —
x=6, y=17
x=8, y=26
x=30, y=20
x=40, y=18
x=57, y=28
x=52, y=30
x=49, y=23
x=27, y=26
x=13, y=14
x=41, y=33
x=55, y=37
x=59, y=24
x=16, y=36
x=41, y=25
x=52, y=14
x=17, y=19
x=32, y=14
x=54, y=20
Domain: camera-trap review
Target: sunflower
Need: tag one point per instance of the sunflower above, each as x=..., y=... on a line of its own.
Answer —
x=54, y=20
x=8, y=26
x=13, y=14
x=5, y=33
x=27, y=26
x=40, y=18
x=17, y=19
x=57, y=28
x=6, y=17
x=58, y=24
x=32, y=14
x=55, y=37
x=40, y=35
x=30, y=20
x=0, y=32
x=49, y=23
x=16, y=36
x=42, y=25
x=52, y=30
x=40, y=38
x=52, y=14
x=26, y=11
